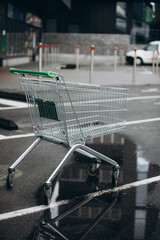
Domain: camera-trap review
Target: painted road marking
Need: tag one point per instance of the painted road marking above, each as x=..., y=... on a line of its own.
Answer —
x=142, y=121
x=143, y=98
x=35, y=209
x=11, y=108
x=150, y=90
x=3, y=137
x=12, y=105
x=157, y=103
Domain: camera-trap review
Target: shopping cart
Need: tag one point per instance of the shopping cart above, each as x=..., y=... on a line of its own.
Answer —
x=70, y=113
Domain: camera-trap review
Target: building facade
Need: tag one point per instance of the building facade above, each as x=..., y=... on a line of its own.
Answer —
x=22, y=25
x=20, y=29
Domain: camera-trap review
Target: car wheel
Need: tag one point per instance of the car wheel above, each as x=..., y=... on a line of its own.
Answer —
x=139, y=61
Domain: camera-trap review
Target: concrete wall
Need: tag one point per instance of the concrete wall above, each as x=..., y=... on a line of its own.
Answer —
x=15, y=61
x=68, y=42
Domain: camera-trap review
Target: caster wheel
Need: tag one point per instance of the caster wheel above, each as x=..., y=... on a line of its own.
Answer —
x=10, y=178
x=115, y=175
x=92, y=170
x=47, y=193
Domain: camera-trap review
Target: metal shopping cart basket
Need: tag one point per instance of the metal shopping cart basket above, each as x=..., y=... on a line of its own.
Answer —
x=70, y=113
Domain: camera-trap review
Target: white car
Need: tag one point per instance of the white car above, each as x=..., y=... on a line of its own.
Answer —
x=145, y=56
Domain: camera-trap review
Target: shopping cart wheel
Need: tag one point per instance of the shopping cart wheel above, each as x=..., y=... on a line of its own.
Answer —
x=115, y=174
x=10, y=177
x=47, y=193
x=92, y=170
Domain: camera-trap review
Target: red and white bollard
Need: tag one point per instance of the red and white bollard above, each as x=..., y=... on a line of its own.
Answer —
x=134, y=66
x=40, y=56
x=46, y=48
x=153, y=62
x=77, y=50
x=115, y=59
x=121, y=55
x=52, y=54
x=92, y=48
x=57, y=55
x=108, y=53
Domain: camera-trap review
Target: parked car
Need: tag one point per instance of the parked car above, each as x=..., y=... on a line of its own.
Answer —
x=145, y=56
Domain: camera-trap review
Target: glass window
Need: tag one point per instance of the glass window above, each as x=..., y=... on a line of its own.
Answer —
x=73, y=28
x=121, y=17
x=151, y=47
x=10, y=11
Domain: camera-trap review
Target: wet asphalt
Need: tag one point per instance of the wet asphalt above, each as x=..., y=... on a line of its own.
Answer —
x=81, y=208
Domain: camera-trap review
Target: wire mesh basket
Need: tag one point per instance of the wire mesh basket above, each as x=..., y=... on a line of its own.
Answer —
x=68, y=112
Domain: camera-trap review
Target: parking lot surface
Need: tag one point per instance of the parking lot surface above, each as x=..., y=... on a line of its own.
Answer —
x=84, y=207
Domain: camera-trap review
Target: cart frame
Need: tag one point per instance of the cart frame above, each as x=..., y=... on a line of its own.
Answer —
x=70, y=113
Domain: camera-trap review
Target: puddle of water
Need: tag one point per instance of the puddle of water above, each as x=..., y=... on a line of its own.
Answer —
x=105, y=217
x=85, y=219
x=133, y=214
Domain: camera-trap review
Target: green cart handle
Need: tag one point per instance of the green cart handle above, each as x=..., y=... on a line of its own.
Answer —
x=48, y=74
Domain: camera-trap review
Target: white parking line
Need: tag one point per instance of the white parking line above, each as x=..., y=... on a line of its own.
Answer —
x=40, y=208
x=12, y=105
x=11, y=108
x=143, y=98
x=143, y=121
x=150, y=90
x=2, y=137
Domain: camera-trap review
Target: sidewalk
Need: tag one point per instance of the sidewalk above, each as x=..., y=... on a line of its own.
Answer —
x=107, y=77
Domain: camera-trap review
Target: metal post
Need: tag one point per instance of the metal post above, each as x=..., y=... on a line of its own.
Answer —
x=47, y=54
x=153, y=62
x=134, y=66
x=34, y=47
x=115, y=59
x=44, y=54
x=46, y=47
x=52, y=54
x=108, y=53
x=40, y=56
x=91, y=63
x=77, y=49
x=157, y=53
x=57, y=55
x=121, y=55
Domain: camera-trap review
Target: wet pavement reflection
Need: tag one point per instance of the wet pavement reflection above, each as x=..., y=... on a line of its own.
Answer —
x=85, y=219
x=129, y=214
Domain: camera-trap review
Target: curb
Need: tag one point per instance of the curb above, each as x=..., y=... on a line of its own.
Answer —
x=8, y=124
x=14, y=96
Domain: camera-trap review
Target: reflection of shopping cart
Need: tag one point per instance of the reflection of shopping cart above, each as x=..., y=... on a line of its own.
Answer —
x=74, y=223
x=70, y=113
